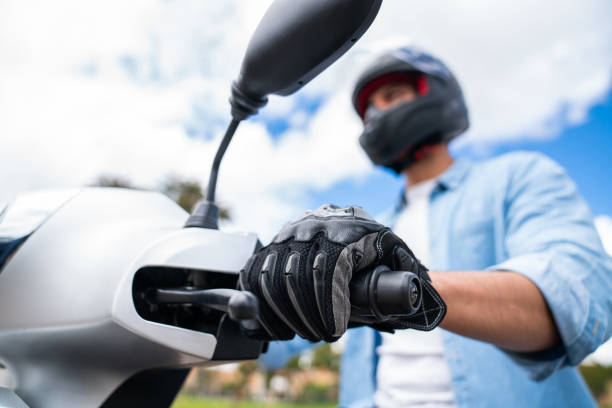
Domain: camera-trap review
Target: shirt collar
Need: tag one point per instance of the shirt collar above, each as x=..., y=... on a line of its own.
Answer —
x=450, y=179
x=454, y=175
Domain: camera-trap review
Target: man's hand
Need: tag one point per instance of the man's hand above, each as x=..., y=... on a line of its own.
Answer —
x=302, y=278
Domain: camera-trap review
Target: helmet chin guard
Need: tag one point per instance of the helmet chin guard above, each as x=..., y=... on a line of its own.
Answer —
x=391, y=137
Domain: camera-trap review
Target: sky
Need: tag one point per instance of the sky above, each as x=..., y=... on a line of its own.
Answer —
x=139, y=90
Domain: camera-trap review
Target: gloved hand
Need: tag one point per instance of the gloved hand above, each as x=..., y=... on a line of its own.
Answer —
x=302, y=277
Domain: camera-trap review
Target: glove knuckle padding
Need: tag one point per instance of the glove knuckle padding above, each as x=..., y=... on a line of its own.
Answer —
x=312, y=278
x=250, y=280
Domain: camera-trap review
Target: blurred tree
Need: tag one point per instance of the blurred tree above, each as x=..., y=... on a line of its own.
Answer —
x=248, y=367
x=187, y=193
x=326, y=357
x=294, y=363
x=598, y=378
x=317, y=393
x=107, y=180
x=323, y=356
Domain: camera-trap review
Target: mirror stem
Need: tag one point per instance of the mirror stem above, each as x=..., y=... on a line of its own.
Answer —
x=214, y=171
x=206, y=213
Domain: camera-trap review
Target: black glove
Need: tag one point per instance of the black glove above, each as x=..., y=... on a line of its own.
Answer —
x=302, y=278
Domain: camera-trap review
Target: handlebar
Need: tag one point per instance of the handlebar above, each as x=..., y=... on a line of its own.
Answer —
x=377, y=294
x=382, y=293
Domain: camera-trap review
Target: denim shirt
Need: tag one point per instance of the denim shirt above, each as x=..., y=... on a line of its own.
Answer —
x=518, y=212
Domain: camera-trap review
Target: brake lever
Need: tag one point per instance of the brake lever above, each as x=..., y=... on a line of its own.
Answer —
x=239, y=305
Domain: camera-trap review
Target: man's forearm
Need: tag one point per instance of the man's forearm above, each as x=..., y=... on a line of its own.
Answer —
x=503, y=308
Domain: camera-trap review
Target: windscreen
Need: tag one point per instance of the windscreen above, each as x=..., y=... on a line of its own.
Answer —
x=24, y=215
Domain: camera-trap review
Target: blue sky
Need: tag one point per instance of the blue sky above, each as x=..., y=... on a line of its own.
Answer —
x=586, y=153
x=584, y=150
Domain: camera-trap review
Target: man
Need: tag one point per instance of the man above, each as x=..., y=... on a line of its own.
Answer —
x=518, y=278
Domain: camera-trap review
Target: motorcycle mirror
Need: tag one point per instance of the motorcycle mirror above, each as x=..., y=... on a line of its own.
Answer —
x=294, y=41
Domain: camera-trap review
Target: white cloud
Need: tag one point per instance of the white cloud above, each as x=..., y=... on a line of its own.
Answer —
x=604, y=227
x=114, y=87
x=603, y=223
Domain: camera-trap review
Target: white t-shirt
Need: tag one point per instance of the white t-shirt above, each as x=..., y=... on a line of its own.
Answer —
x=412, y=370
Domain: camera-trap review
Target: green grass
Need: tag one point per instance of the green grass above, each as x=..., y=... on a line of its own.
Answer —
x=192, y=402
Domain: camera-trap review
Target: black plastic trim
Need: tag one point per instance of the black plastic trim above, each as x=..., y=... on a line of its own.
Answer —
x=148, y=389
x=8, y=248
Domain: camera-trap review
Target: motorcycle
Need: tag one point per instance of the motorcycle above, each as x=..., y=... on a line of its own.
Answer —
x=109, y=296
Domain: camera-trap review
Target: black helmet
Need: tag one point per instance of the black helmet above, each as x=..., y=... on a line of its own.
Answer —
x=391, y=137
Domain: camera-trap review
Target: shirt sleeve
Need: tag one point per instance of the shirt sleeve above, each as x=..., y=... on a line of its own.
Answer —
x=550, y=238
x=280, y=352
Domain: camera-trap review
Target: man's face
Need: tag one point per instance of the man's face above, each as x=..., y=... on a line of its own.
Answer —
x=391, y=94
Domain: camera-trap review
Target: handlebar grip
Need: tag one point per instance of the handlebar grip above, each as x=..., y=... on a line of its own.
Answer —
x=383, y=293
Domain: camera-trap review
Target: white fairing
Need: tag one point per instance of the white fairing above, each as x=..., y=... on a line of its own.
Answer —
x=69, y=332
